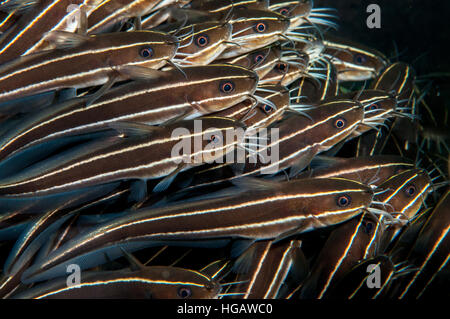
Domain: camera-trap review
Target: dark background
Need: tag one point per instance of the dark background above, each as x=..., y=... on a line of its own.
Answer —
x=419, y=28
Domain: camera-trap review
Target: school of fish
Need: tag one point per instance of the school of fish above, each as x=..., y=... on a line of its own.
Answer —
x=213, y=149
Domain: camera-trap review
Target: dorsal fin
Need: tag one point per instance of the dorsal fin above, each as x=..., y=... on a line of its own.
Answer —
x=65, y=40
x=252, y=183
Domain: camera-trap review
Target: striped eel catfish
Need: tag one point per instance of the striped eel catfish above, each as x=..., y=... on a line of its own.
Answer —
x=315, y=90
x=140, y=152
x=399, y=78
x=200, y=90
x=302, y=11
x=353, y=62
x=369, y=170
x=201, y=43
x=300, y=138
x=224, y=6
x=83, y=61
x=153, y=282
x=261, y=61
x=268, y=265
x=378, y=106
x=29, y=33
x=111, y=13
x=286, y=72
x=349, y=243
x=254, y=29
x=268, y=211
x=263, y=114
x=201, y=10
x=430, y=254
x=404, y=194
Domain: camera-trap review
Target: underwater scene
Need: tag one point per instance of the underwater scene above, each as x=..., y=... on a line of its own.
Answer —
x=224, y=149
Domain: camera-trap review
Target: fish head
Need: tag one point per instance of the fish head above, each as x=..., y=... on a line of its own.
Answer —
x=261, y=61
x=398, y=79
x=253, y=29
x=180, y=283
x=355, y=62
x=378, y=107
x=266, y=113
x=296, y=11
x=206, y=41
x=142, y=48
x=405, y=192
x=335, y=120
x=283, y=73
x=222, y=86
x=334, y=200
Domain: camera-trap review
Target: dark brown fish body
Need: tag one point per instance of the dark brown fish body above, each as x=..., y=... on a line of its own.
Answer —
x=354, y=284
x=152, y=102
x=8, y=20
x=398, y=78
x=155, y=282
x=29, y=30
x=373, y=170
x=254, y=29
x=93, y=62
x=136, y=157
x=261, y=61
x=401, y=246
x=261, y=115
x=311, y=92
x=378, y=106
x=204, y=42
x=281, y=208
x=284, y=73
x=110, y=13
x=269, y=265
x=405, y=193
x=299, y=140
x=354, y=62
x=214, y=6
x=431, y=255
x=296, y=11
x=346, y=245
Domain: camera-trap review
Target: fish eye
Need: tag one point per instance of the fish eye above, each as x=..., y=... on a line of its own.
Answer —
x=282, y=67
x=410, y=190
x=227, y=86
x=343, y=201
x=267, y=108
x=260, y=27
x=259, y=58
x=283, y=11
x=374, y=106
x=184, y=292
x=339, y=123
x=214, y=139
x=359, y=59
x=146, y=52
x=202, y=40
